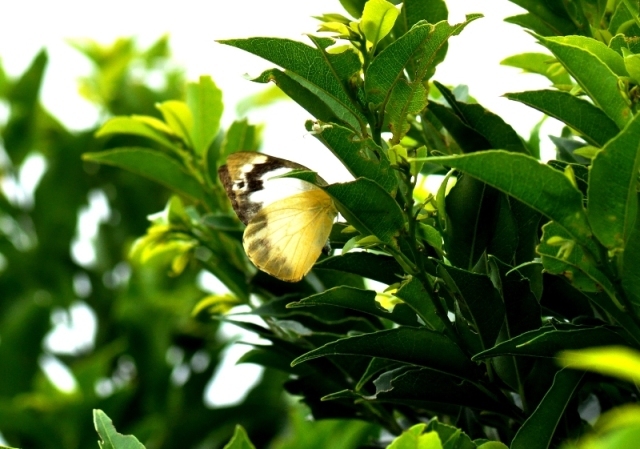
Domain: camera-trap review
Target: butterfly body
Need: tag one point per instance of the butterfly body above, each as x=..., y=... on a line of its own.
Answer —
x=288, y=220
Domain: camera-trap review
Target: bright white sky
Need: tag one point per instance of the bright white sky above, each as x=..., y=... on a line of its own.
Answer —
x=28, y=25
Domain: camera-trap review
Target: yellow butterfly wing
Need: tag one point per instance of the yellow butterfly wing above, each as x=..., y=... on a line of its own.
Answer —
x=285, y=238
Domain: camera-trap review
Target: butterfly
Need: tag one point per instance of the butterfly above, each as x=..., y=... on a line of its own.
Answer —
x=288, y=220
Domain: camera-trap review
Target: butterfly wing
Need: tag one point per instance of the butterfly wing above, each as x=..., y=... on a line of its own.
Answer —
x=285, y=238
x=244, y=177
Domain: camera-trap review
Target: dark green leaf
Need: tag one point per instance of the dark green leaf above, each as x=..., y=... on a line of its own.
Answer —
x=584, y=117
x=362, y=157
x=388, y=89
x=153, y=165
x=533, y=23
x=413, y=11
x=413, y=293
x=417, y=346
x=360, y=300
x=369, y=208
x=566, y=258
x=612, y=194
x=329, y=78
x=380, y=268
x=631, y=262
x=496, y=131
x=479, y=300
x=552, y=14
x=443, y=389
x=301, y=95
x=537, y=431
x=537, y=185
x=548, y=341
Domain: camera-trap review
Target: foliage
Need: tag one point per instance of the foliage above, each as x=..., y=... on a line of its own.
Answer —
x=509, y=263
x=144, y=332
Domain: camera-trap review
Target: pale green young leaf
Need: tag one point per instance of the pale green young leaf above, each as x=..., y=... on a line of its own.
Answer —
x=538, y=429
x=240, y=440
x=617, y=361
x=584, y=117
x=111, y=439
x=612, y=195
x=153, y=165
x=632, y=63
x=413, y=438
x=542, y=64
x=595, y=77
x=378, y=19
x=137, y=126
x=537, y=185
x=179, y=118
x=205, y=102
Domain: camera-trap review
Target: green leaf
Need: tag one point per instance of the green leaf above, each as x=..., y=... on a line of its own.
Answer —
x=533, y=23
x=597, y=79
x=354, y=7
x=479, y=300
x=413, y=438
x=612, y=195
x=452, y=437
x=240, y=440
x=552, y=14
x=377, y=20
x=153, y=165
x=413, y=11
x=380, y=268
x=538, y=429
x=417, y=346
x=205, y=102
x=413, y=293
x=631, y=262
x=241, y=136
x=360, y=300
x=443, y=389
x=362, y=157
x=137, y=126
x=496, y=131
x=542, y=64
x=301, y=95
x=369, y=208
x=564, y=258
x=610, y=57
x=329, y=78
x=528, y=180
x=110, y=438
x=547, y=341
x=179, y=118
x=386, y=85
x=584, y=117
x=617, y=361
